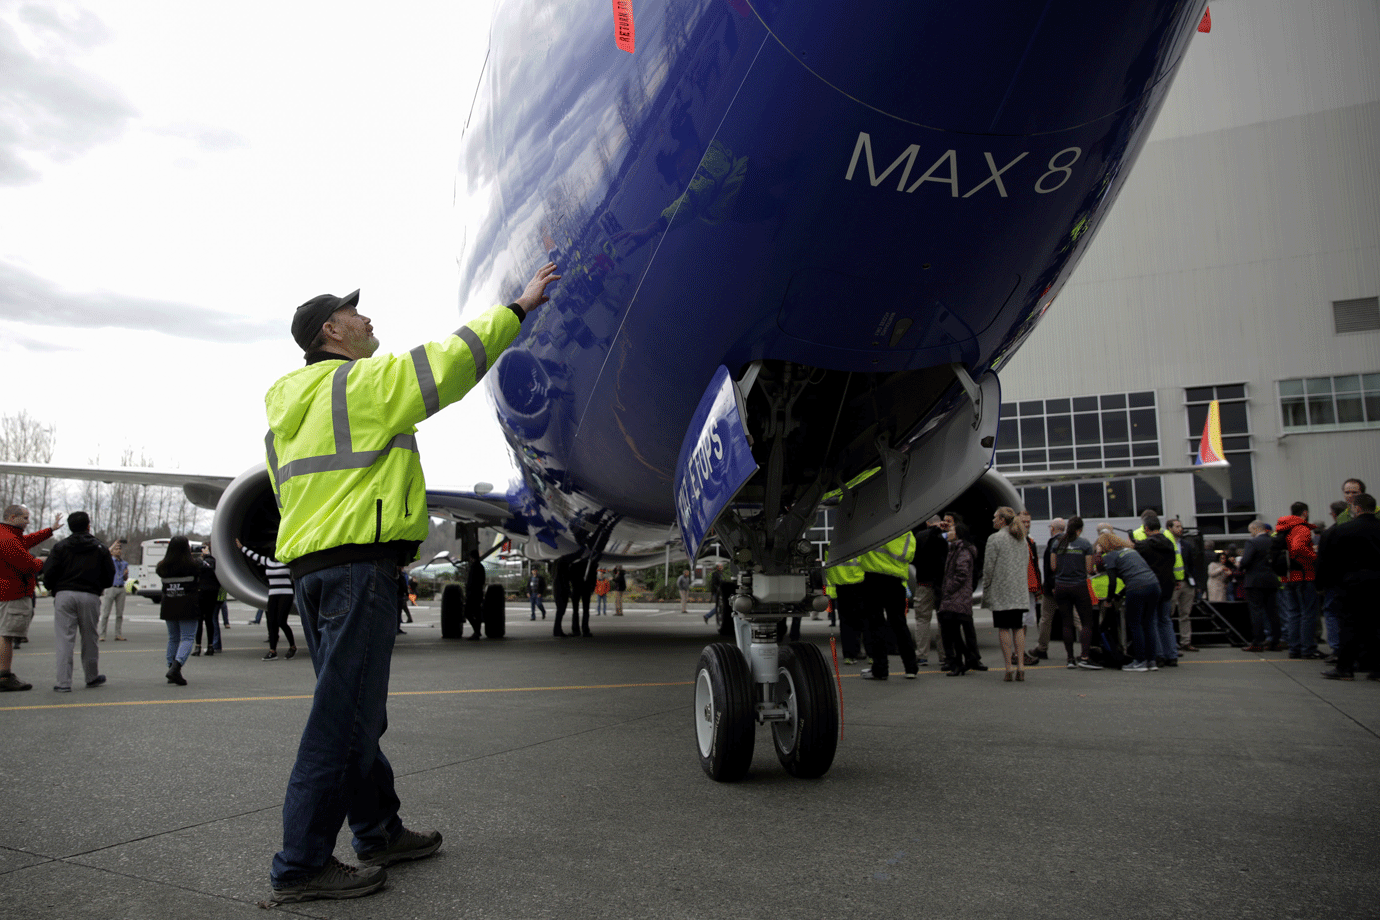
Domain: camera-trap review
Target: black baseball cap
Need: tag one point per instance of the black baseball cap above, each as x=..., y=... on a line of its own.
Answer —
x=307, y=321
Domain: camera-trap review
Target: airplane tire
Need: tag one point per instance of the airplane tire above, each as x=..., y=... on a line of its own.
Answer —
x=725, y=712
x=495, y=612
x=452, y=612
x=806, y=743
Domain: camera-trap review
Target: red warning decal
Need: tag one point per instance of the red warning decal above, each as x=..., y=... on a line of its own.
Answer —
x=1205, y=24
x=624, y=33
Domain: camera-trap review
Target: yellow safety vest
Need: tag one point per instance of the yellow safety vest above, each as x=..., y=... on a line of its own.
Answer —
x=1178, y=556
x=847, y=572
x=893, y=558
x=341, y=447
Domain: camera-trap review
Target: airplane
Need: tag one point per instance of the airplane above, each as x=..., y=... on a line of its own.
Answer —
x=798, y=242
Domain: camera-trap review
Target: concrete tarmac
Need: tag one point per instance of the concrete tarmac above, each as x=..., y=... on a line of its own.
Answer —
x=564, y=776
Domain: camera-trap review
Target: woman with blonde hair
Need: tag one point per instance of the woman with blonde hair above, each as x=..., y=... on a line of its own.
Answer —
x=1140, y=600
x=1005, y=588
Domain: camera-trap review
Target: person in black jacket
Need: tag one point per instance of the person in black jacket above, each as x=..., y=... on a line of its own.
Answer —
x=1349, y=558
x=1262, y=591
x=1159, y=555
x=77, y=571
x=180, y=604
x=209, y=601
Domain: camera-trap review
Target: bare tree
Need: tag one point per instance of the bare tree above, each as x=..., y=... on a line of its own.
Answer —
x=24, y=439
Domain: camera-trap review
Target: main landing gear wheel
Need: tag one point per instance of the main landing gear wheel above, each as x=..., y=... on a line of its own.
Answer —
x=495, y=611
x=807, y=740
x=725, y=712
x=452, y=611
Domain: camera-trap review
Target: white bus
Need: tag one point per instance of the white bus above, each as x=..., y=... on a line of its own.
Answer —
x=150, y=585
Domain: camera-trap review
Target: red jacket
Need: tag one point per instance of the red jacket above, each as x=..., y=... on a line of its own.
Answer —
x=1301, y=552
x=18, y=567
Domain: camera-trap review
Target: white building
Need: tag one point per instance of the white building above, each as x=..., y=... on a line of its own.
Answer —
x=1242, y=262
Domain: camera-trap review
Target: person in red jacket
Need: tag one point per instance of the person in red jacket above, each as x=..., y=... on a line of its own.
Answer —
x=1298, y=596
x=18, y=574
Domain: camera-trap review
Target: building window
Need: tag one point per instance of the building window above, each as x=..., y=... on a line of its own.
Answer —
x=1110, y=431
x=1215, y=514
x=1347, y=402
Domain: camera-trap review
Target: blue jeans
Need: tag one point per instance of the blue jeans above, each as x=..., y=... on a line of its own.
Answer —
x=1140, y=607
x=349, y=615
x=601, y=604
x=1332, y=616
x=1298, y=608
x=536, y=602
x=180, y=636
x=1162, y=632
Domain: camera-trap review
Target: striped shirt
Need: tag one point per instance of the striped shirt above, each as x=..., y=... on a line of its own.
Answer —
x=279, y=576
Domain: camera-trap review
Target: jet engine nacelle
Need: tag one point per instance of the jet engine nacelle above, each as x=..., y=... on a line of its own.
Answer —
x=247, y=511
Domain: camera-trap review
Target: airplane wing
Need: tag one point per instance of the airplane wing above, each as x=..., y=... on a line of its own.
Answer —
x=201, y=490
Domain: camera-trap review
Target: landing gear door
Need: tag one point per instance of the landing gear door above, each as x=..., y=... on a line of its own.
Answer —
x=715, y=460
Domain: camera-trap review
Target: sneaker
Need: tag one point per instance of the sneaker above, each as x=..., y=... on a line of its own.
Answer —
x=1071, y=665
x=911, y=675
x=96, y=681
x=1030, y=660
x=335, y=881
x=9, y=682
x=1042, y=654
x=291, y=653
x=407, y=845
x=271, y=656
x=923, y=662
x=1338, y=674
x=1171, y=662
x=1135, y=666
x=62, y=689
x=1151, y=664
x=1087, y=665
x=868, y=675
x=1190, y=647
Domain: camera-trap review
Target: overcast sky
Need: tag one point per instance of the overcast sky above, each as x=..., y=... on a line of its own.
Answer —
x=176, y=178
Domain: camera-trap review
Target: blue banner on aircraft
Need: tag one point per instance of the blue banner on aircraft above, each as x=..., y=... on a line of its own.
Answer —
x=715, y=460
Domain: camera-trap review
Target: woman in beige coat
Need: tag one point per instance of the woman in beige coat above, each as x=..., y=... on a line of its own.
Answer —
x=1005, y=591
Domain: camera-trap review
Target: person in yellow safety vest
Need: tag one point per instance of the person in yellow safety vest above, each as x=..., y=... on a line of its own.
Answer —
x=343, y=463
x=843, y=581
x=1182, y=601
x=884, y=605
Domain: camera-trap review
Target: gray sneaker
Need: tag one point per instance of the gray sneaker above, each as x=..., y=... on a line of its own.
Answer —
x=407, y=845
x=335, y=881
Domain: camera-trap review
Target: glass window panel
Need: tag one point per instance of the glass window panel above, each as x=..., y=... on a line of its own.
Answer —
x=1145, y=461
x=1063, y=501
x=1234, y=420
x=1239, y=523
x=1084, y=403
x=1320, y=410
x=1198, y=394
x=1350, y=409
x=1236, y=443
x=1205, y=499
x=1294, y=412
x=1065, y=465
x=1145, y=449
x=1036, y=502
x=1086, y=429
x=1033, y=432
x=1007, y=433
x=1113, y=400
x=1008, y=459
x=1008, y=410
x=1120, y=497
x=1212, y=524
x=1138, y=400
x=1116, y=451
x=1088, y=455
x=1197, y=415
x=1348, y=384
x=1149, y=494
x=1092, y=501
x=1370, y=382
x=1032, y=458
x=1116, y=426
x=1242, y=484
x=1060, y=454
x=1291, y=388
x=1143, y=427
x=1032, y=407
x=1054, y=406
x=1233, y=391
x=1317, y=385
x=1060, y=429
x=1373, y=407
